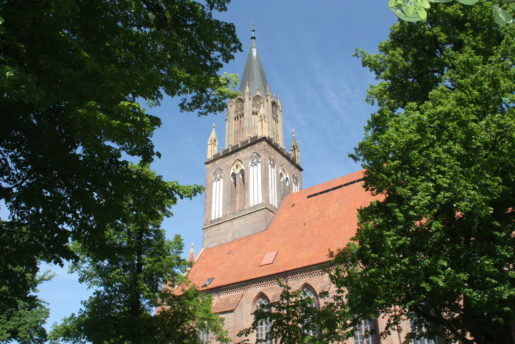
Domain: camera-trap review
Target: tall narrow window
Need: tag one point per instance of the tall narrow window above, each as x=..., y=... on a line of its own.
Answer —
x=238, y=121
x=421, y=329
x=255, y=180
x=295, y=182
x=204, y=336
x=284, y=182
x=309, y=292
x=237, y=195
x=272, y=182
x=362, y=333
x=257, y=104
x=218, y=191
x=263, y=328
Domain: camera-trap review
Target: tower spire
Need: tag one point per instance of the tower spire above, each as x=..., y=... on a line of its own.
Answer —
x=254, y=74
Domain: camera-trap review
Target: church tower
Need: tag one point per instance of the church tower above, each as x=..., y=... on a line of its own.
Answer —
x=247, y=180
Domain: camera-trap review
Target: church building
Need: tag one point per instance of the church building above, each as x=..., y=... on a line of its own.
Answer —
x=260, y=225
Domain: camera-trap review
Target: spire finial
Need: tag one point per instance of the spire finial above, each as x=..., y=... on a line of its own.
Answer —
x=253, y=36
x=213, y=126
x=293, y=134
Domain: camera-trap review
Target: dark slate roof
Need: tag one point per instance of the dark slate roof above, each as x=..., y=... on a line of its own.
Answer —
x=253, y=74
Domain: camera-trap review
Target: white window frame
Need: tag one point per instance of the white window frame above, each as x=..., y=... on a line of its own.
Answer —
x=217, y=197
x=272, y=182
x=256, y=193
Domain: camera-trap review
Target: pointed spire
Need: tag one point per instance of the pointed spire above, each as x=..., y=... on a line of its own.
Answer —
x=191, y=257
x=254, y=73
x=212, y=143
x=294, y=148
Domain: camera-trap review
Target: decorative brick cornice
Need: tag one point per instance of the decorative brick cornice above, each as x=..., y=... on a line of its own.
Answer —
x=266, y=281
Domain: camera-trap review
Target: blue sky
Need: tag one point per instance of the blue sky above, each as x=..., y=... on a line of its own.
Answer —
x=306, y=48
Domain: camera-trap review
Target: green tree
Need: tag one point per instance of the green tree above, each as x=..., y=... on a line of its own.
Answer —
x=130, y=275
x=439, y=245
x=298, y=318
x=23, y=322
x=71, y=75
x=416, y=10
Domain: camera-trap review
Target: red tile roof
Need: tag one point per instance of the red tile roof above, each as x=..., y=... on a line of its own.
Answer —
x=308, y=224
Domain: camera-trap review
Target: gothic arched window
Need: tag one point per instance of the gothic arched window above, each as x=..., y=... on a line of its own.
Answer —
x=263, y=326
x=238, y=190
x=309, y=292
x=362, y=332
x=420, y=329
x=204, y=336
x=312, y=294
x=274, y=111
x=284, y=179
x=295, y=182
x=272, y=182
x=257, y=103
x=255, y=180
x=238, y=121
x=218, y=192
x=238, y=109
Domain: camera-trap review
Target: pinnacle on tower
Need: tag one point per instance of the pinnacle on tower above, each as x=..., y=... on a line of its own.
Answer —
x=212, y=143
x=294, y=148
x=254, y=74
x=191, y=256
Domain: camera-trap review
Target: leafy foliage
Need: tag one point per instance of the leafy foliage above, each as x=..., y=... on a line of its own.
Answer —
x=129, y=276
x=298, y=318
x=439, y=246
x=185, y=316
x=72, y=72
x=23, y=321
x=416, y=10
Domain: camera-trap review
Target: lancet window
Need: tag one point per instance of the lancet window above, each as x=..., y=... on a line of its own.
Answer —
x=274, y=111
x=295, y=182
x=238, y=121
x=272, y=182
x=362, y=332
x=204, y=336
x=218, y=191
x=238, y=190
x=256, y=194
x=257, y=103
x=284, y=179
x=421, y=340
x=263, y=328
x=309, y=292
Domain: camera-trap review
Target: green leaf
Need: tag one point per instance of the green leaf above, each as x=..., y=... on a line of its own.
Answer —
x=422, y=14
x=468, y=2
x=501, y=16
